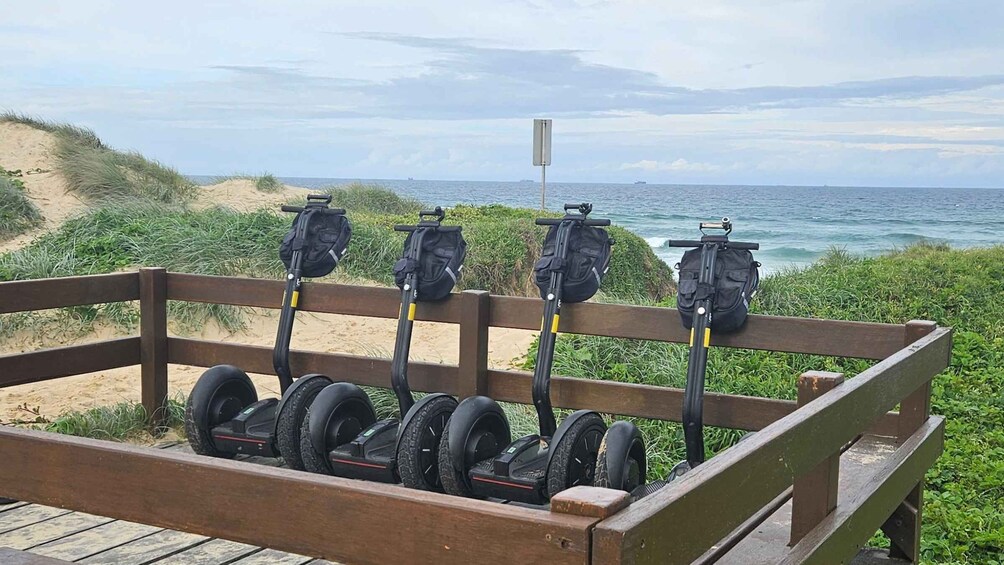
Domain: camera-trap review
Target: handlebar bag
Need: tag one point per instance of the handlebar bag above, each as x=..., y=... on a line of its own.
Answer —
x=585, y=266
x=325, y=242
x=437, y=267
x=736, y=280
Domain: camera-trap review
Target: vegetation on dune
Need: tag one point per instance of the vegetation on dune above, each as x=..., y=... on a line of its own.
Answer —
x=964, y=500
x=99, y=173
x=17, y=212
x=125, y=421
x=265, y=182
x=372, y=199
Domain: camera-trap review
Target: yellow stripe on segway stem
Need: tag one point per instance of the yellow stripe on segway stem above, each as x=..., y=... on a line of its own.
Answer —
x=554, y=324
x=691, y=337
x=296, y=299
x=707, y=338
x=411, y=312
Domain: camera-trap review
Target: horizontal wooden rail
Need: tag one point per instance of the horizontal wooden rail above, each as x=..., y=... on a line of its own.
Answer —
x=372, y=301
x=863, y=340
x=371, y=371
x=328, y=517
x=24, y=296
x=721, y=494
x=659, y=403
x=23, y=368
x=837, y=538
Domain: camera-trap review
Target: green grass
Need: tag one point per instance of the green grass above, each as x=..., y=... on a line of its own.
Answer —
x=101, y=174
x=125, y=421
x=357, y=197
x=18, y=213
x=964, y=501
x=265, y=182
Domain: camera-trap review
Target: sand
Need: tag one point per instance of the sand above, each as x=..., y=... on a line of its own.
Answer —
x=26, y=148
x=242, y=196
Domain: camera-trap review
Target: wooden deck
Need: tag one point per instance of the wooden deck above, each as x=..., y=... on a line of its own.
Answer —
x=68, y=536
x=76, y=537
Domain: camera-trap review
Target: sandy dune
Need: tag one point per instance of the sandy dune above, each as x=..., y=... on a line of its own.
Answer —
x=25, y=148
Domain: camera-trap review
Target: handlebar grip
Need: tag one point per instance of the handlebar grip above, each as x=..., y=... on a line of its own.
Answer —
x=326, y=198
x=597, y=222
x=744, y=245
x=292, y=208
x=683, y=243
x=401, y=227
x=547, y=221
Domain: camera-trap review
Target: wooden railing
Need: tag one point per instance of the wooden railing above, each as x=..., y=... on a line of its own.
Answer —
x=795, y=455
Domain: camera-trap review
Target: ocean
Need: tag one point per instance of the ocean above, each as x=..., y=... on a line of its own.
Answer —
x=794, y=225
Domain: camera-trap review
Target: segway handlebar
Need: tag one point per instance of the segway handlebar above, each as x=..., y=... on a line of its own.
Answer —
x=556, y=221
x=696, y=243
x=401, y=227
x=438, y=213
x=324, y=210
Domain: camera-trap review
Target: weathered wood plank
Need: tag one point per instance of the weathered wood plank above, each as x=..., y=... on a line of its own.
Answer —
x=590, y=501
x=27, y=515
x=12, y=505
x=376, y=302
x=95, y=540
x=473, y=363
x=153, y=343
x=212, y=552
x=42, y=294
x=161, y=487
x=147, y=549
x=426, y=377
x=272, y=557
x=14, y=557
x=839, y=536
x=747, y=476
x=23, y=368
x=775, y=333
x=48, y=530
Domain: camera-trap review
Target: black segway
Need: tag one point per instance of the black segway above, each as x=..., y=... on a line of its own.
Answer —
x=477, y=457
x=223, y=416
x=341, y=435
x=717, y=270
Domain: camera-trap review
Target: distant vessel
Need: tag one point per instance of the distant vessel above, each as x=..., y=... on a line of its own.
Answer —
x=411, y=178
x=525, y=180
x=640, y=182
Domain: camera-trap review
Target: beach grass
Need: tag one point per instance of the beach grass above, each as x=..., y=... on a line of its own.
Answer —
x=17, y=212
x=125, y=421
x=79, y=135
x=265, y=182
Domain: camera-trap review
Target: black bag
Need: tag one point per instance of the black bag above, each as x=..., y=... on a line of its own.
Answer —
x=585, y=266
x=736, y=280
x=325, y=242
x=439, y=265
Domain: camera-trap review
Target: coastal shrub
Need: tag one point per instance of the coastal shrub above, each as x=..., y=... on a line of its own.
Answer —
x=358, y=197
x=964, y=499
x=265, y=182
x=79, y=135
x=18, y=213
x=120, y=422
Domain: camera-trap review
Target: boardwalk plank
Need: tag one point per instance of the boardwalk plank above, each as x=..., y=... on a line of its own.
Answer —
x=213, y=552
x=95, y=540
x=44, y=532
x=12, y=557
x=27, y=515
x=273, y=557
x=146, y=549
x=12, y=505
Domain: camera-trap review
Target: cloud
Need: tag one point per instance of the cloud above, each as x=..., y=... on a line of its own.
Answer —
x=678, y=165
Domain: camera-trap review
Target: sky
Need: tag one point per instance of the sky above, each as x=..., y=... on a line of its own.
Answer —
x=870, y=93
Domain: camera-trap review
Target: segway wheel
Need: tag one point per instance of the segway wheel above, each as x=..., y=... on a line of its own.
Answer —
x=573, y=462
x=418, y=449
x=338, y=413
x=290, y=418
x=218, y=396
x=476, y=431
x=620, y=463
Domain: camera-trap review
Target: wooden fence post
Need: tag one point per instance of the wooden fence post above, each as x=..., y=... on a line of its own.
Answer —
x=475, y=307
x=814, y=494
x=153, y=343
x=903, y=527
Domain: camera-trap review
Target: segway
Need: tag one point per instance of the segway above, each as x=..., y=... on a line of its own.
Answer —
x=223, y=416
x=341, y=435
x=621, y=463
x=477, y=457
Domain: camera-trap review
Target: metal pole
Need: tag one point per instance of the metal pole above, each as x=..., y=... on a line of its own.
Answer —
x=543, y=184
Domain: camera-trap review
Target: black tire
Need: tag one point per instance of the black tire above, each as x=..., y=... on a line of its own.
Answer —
x=573, y=461
x=338, y=413
x=620, y=463
x=291, y=417
x=418, y=448
x=480, y=431
x=218, y=396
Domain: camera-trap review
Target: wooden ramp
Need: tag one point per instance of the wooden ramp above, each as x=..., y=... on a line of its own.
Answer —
x=67, y=536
